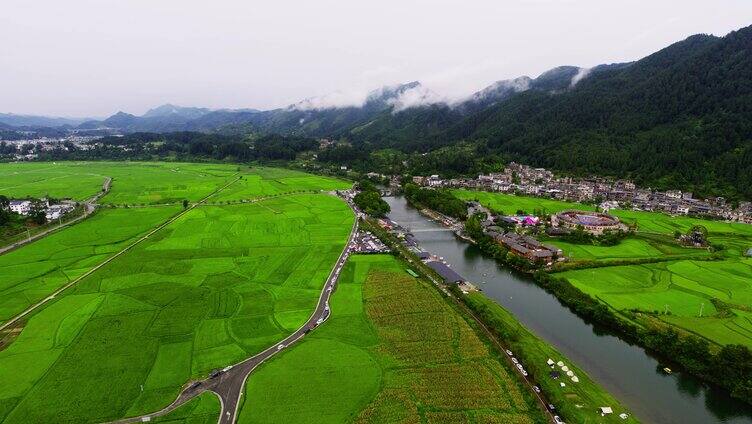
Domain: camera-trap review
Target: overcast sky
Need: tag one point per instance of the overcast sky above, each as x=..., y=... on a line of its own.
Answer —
x=95, y=57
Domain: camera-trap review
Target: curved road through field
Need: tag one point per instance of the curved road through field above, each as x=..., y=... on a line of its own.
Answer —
x=228, y=383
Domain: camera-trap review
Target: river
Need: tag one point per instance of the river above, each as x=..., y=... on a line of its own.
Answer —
x=625, y=370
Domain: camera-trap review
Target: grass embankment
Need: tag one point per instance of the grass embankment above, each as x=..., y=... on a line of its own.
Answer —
x=212, y=288
x=204, y=409
x=579, y=401
x=393, y=351
x=32, y=272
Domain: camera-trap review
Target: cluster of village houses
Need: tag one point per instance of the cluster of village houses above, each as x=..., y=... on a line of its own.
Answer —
x=52, y=211
x=25, y=148
x=527, y=180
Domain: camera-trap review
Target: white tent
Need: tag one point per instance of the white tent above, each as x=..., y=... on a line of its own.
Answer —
x=575, y=379
x=606, y=410
x=565, y=368
x=570, y=373
x=550, y=361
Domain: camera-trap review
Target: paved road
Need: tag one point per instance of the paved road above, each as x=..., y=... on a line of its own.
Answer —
x=229, y=383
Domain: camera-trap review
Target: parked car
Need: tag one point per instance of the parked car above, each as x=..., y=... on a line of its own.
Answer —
x=558, y=420
x=537, y=389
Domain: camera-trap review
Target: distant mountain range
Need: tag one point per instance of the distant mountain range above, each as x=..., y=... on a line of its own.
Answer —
x=307, y=117
x=680, y=117
x=13, y=120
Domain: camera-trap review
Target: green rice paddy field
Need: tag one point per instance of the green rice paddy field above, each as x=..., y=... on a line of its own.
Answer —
x=634, y=247
x=509, y=204
x=393, y=351
x=212, y=288
x=132, y=182
x=203, y=409
x=139, y=183
x=681, y=287
x=263, y=182
x=32, y=272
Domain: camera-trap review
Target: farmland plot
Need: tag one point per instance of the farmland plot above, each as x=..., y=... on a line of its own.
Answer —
x=393, y=351
x=216, y=286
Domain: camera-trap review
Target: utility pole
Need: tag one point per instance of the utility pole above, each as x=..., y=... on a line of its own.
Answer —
x=701, y=306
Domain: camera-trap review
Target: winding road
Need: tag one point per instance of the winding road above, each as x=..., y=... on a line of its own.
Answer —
x=229, y=382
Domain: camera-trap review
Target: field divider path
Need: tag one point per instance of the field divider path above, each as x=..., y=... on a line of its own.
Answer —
x=228, y=384
x=52, y=295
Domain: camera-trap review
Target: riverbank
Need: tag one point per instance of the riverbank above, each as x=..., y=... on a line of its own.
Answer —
x=728, y=366
x=575, y=401
x=628, y=371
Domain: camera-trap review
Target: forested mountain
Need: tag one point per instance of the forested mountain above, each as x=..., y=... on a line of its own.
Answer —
x=680, y=117
x=169, y=110
x=409, y=109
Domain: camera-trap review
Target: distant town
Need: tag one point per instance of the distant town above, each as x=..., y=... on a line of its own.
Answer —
x=30, y=148
x=606, y=193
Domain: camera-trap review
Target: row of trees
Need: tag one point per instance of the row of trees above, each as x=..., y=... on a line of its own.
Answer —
x=369, y=200
x=580, y=236
x=439, y=200
x=188, y=145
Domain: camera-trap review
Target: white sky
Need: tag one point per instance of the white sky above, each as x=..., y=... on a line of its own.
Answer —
x=95, y=57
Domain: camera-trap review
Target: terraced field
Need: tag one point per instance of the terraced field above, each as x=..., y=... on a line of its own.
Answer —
x=393, y=351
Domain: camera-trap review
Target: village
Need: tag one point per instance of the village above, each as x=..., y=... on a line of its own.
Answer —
x=26, y=149
x=52, y=209
x=607, y=193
